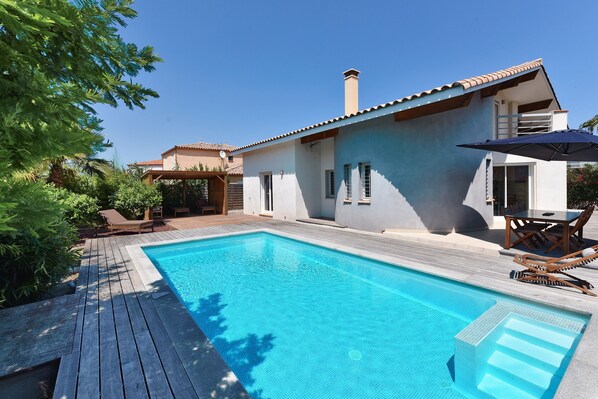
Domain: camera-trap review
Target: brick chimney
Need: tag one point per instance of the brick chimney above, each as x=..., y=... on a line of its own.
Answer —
x=351, y=91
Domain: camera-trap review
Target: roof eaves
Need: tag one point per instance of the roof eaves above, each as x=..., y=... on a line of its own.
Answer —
x=558, y=104
x=168, y=151
x=465, y=85
x=377, y=111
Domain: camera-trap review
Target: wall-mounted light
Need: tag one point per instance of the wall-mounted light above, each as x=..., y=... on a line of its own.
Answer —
x=281, y=173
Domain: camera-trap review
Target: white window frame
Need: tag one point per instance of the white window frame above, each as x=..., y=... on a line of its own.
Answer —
x=365, y=181
x=347, y=177
x=267, y=195
x=329, y=183
x=489, y=193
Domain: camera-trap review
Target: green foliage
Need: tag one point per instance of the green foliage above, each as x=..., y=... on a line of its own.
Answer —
x=591, y=124
x=81, y=210
x=57, y=59
x=582, y=187
x=81, y=184
x=172, y=192
x=35, y=240
x=134, y=197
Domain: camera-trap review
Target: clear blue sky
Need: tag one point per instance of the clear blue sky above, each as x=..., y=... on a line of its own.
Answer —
x=239, y=71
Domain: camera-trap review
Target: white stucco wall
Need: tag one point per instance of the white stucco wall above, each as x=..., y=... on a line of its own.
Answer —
x=420, y=179
x=275, y=159
x=548, y=183
x=327, y=163
x=307, y=193
x=169, y=161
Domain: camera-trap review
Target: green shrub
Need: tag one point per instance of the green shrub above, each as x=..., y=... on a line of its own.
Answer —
x=172, y=193
x=35, y=240
x=582, y=187
x=81, y=210
x=134, y=197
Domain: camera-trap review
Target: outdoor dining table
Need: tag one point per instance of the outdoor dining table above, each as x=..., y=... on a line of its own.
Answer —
x=563, y=218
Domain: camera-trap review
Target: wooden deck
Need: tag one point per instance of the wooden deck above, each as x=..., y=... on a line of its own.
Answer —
x=36, y=333
x=128, y=343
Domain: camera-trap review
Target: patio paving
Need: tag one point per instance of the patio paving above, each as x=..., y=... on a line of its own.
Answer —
x=132, y=343
x=197, y=221
x=490, y=241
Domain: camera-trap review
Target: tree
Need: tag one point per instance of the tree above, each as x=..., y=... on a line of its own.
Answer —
x=85, y=163
x=58, y=59
x=591, y=124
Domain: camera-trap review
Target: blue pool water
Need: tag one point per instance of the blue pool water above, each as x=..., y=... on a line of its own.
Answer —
x=295, y=320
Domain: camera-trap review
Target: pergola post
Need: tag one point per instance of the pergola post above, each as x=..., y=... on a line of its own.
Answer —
x=184, y=192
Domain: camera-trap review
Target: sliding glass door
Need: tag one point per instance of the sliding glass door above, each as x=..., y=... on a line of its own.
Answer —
x=511, y=188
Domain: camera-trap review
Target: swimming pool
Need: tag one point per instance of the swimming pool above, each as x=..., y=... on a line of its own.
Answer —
x=295, y=320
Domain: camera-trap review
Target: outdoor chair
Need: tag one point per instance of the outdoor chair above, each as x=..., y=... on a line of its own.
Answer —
x=116, y=221
x=204, y=207
x=529, y=234
x=556, y=233
x=157, y=213
x=545, y=270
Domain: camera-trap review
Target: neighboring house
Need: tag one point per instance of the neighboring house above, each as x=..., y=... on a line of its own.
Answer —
x=148, y=165
x=397, y=165
x=207, y=156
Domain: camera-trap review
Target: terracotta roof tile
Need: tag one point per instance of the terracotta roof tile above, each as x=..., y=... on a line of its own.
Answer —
x=476, y=80
x=207, y=146
x=465, y=83
x=148, y=163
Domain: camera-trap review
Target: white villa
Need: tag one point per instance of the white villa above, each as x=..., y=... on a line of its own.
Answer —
x=397, y=165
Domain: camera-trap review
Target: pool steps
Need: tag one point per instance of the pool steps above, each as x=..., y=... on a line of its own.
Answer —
x=514, y=352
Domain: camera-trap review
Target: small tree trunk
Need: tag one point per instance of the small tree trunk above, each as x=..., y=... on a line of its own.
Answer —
x=56, y=170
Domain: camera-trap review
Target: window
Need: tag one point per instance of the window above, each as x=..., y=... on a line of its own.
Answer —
x=497, y=124
x=329, y=183
x=488, y=183
x=365, y=189
x=230, y=158
x=347, y=172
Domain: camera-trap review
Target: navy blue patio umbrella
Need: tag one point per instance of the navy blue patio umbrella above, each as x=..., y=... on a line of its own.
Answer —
x=560, y=145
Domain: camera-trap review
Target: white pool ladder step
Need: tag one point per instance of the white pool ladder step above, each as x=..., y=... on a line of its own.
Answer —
x=550, y=338
x=518, y=373
x=514, y=351
x=531, y=352
x=498, y=388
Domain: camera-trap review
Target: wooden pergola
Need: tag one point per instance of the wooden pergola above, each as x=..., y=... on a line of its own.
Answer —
x=217, y=184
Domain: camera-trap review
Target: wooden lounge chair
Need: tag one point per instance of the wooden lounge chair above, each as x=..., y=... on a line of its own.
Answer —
x=116, y=221
x=556, y=234
x=544, y=270
x=204, y=207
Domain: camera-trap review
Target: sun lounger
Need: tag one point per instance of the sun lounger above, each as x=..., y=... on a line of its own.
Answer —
x=545, y=270
x=116, y=221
